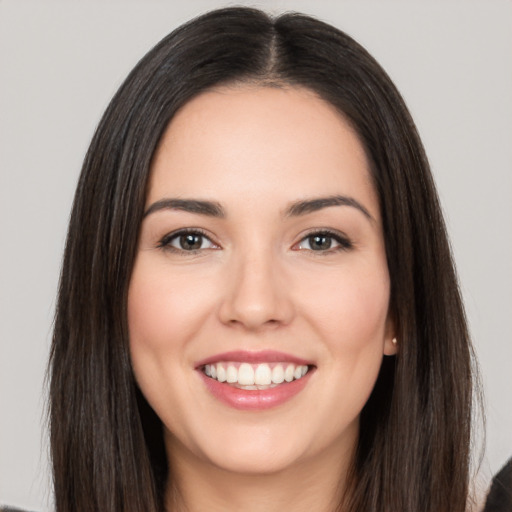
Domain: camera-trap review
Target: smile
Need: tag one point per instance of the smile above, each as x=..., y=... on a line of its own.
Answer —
x=255, y=376
x=255, y=380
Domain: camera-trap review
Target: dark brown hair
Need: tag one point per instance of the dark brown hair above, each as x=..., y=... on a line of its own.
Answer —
x=106, y=442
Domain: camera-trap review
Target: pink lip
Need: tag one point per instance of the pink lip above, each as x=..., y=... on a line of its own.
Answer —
x=257, y=399
x=262, y=356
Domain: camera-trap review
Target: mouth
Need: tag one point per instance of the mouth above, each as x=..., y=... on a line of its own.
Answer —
x=255, y=376
x=255, y=380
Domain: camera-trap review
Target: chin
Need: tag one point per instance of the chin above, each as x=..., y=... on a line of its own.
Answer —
x=254, y=463
x=242, y=449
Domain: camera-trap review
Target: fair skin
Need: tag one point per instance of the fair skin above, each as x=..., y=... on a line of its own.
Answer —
x=254, y=271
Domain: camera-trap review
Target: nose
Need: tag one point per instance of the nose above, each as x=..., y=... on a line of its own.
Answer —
x=258, y=294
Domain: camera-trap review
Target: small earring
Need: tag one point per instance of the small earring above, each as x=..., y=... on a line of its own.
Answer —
x=394, y=341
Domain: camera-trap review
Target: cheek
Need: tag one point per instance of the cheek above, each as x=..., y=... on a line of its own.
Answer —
x=352, y=318
x=164, y=309
x=150, y=321
x=165, y=312
x=352, y=308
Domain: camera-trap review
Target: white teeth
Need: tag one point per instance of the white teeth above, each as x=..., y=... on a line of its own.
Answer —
x=263, y=375
x=255, y=376
x=221, y=373
x=277, y=374
x=245, y=375
x=231, y=374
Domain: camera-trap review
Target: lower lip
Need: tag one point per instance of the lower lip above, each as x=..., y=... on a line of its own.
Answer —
x=255, y=399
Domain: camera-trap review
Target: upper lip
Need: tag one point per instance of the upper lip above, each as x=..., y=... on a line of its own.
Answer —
x=260, y=356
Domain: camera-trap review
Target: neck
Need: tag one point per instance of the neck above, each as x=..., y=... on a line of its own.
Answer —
x=311, y=485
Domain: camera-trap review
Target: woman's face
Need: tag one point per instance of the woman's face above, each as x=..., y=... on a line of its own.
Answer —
x=261, y=257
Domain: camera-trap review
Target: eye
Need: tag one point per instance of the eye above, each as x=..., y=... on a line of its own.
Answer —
x=186, y=241
x=324, y=241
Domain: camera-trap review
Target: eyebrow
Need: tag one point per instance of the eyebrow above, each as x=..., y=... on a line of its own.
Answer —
x=296, y=209
x=209, y=208
x=312, y=205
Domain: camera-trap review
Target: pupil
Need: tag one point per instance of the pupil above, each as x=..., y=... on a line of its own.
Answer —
x=319, y=242
x=190, y=242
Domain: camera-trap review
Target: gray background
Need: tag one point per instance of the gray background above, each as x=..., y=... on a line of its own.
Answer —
x=60, y=62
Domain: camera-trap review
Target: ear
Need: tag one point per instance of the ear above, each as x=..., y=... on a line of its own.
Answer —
x=390, y=339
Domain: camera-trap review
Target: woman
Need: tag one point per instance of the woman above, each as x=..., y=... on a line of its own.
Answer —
x=256, y=211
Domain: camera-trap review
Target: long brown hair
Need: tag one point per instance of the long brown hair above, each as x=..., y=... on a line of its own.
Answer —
x=106, y=442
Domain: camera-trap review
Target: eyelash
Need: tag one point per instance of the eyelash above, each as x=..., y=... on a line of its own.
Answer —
x=344, y=244
x=165, y=242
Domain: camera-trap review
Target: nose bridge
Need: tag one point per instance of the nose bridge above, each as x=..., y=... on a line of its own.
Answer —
x=256, y=294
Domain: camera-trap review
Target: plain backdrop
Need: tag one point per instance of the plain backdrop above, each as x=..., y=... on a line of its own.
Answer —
x=60, y=63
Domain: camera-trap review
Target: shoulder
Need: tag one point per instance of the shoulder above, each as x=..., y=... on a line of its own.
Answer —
x=499, y=497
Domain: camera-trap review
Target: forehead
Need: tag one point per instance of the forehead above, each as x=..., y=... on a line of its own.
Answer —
x=248, y=141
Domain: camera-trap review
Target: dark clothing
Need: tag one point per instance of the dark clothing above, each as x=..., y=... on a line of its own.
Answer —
x=499, y=498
